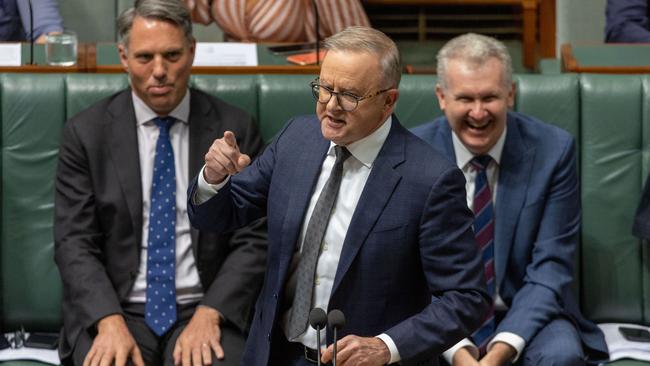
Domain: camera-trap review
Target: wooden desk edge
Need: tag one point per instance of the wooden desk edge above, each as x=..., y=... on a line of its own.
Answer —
x=570, y=64
x=202, y=70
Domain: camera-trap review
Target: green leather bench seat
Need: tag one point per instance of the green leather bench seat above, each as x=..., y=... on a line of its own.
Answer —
x=614, y=266
x=606, y=114
x=32, y=117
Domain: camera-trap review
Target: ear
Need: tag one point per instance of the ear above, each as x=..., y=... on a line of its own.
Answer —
x=511, y=95
x=391, y=99
x=440, y=94
x=192, y=49
x=123, y=56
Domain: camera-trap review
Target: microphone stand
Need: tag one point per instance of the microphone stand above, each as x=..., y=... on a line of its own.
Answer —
x=336, y=321
x=317, y=34
x=31, y=33
x=317, y=320
x=334, y=355
x=318, y=343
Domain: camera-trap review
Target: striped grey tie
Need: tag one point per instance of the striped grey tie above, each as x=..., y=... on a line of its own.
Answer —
x=311, y=247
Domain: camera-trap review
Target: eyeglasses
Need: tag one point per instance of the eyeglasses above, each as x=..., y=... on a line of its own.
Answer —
x=347, y=101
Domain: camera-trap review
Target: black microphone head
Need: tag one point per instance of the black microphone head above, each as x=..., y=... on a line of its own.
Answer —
x=317, y=318
x=336, y=319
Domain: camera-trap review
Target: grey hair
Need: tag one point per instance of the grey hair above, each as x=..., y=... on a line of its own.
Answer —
x=372, y=41
x=476, y=49
x=173, y=11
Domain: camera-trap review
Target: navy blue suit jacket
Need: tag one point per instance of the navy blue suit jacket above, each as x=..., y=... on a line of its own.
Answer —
x=537, y=218
x=627, y=21
x=410, y=238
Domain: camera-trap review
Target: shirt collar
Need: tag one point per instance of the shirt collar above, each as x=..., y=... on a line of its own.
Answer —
x=464, y=156
x=144, y=114
x=367, y=149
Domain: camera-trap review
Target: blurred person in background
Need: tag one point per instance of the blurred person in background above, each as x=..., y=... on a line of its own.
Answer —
x=278, y=20
x=627, y=21
x=15, y=23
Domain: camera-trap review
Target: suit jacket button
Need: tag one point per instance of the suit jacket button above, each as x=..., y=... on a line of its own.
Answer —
x=133, y=274
x=275, y=296
x=268, y=336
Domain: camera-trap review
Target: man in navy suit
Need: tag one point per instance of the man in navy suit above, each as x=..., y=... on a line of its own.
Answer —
x=398, y=233
x=532, y=174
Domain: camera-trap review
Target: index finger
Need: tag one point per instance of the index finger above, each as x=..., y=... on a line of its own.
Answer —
x=229, y=138
x=326, y=354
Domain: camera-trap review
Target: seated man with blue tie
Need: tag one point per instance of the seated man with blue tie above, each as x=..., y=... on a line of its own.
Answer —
x=139, y=283
x=522, y=185
x=363, y=217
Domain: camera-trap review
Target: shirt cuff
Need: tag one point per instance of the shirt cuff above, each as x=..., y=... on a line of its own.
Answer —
x=448, y=355
x=511, y=339
x=205, y=190
x=394, y=353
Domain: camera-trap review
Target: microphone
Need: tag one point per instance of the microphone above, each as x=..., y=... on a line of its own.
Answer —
x=336, y=320
x=317, y=320
x=31, y=33
x=317, y=35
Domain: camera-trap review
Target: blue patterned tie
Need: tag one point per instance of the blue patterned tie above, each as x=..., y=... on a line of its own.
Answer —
x=484, y=233
x=160, y=309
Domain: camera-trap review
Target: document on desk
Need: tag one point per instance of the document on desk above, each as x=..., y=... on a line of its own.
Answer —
x=225, y=54
x=619, y=347
x=50, y=356
x=10, y=54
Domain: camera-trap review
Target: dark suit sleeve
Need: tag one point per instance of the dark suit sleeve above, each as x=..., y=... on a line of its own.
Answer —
x=236, y=286
x=550, y=271
x=627, y=21
x=453, y=271
x=78, y=237
x=237, y=203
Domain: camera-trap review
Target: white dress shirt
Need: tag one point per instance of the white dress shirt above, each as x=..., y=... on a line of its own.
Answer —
x=356, y=170
x=188, y=284
x=463, y=159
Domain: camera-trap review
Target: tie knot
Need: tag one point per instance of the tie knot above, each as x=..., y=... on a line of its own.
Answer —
x=342, y=153
x=164, y=124
x=481, y=162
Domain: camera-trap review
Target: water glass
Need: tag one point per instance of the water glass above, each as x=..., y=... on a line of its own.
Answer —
x=61, y=49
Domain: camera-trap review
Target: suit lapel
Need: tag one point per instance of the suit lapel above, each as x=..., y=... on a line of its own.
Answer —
x=514, y=176
x=201, y=137
x=123, y=147
x=304, y=175
x=377, y=192
x=441, y=140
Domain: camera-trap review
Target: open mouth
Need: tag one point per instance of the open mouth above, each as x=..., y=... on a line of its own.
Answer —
x=480, y=127
x=335, y=121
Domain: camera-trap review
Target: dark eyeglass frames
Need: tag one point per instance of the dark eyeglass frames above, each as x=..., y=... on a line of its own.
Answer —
x=346, y=100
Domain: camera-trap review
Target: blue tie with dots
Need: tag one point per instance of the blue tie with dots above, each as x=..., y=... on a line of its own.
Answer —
x=160, y=309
